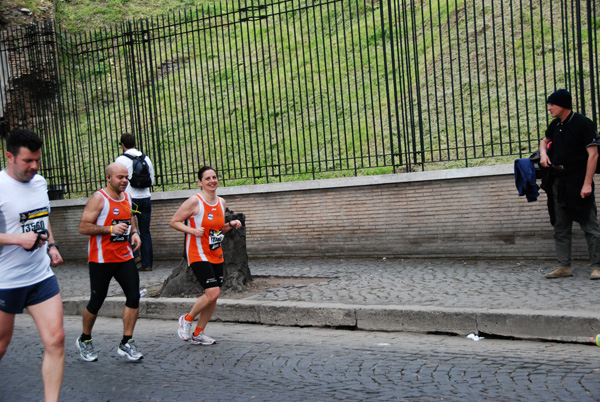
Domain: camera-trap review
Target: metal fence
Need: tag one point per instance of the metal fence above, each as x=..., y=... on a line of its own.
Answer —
x=294, y=90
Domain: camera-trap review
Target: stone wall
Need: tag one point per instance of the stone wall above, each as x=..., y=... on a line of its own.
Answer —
x=473, y=212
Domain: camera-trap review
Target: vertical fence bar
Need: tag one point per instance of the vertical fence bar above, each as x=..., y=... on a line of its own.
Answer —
x=260, y=114
x=480, y=104
x=595, y=58
x=488, y=79
x=350, y=151
x=378, y=91
x=535, y=73
x=152, y=138
x=579, y=61
x=426, y=64
x=153, y=142
x=318, y=95
x=591, y=30
x=315, y=143
x=218, y=77
x=332, y=92
x=62, y=150
x=198, y=127
x=524, y=75
x=232, y=104
x=299, y=53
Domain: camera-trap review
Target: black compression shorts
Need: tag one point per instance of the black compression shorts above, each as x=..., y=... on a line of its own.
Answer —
x=209, y=275
x=125, y=273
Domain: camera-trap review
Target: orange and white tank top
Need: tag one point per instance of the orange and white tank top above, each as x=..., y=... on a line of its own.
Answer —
x=208, y=247
x=113, y=247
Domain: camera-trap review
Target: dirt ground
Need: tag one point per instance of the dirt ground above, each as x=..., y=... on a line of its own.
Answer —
x=13, y=14
x=262, y=283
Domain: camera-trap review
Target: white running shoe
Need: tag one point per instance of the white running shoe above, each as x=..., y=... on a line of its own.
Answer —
x=202, y=339
x=86, y=350
x=185, y=328
x=129, y=350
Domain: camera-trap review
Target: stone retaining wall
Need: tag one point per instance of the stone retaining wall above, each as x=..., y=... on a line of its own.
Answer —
x=473, y=212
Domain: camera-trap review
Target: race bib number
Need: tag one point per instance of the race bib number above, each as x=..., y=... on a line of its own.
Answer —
x=34, y=221
x=121, y=237
x=215, y=238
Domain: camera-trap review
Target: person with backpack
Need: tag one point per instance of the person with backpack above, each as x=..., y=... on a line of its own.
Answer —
x=141, y=178
x=570, y=150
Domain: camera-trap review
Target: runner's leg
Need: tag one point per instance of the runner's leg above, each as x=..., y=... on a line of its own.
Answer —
x=7, y=325
x=48, y=317
x=128, y=277
x=209, y=304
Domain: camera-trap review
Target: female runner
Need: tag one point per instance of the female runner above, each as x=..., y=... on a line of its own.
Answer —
x=202, y=218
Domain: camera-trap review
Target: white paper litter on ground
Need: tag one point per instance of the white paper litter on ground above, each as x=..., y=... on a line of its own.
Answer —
x=475, y=337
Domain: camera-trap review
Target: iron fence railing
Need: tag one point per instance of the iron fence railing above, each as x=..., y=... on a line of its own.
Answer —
x=293, y=90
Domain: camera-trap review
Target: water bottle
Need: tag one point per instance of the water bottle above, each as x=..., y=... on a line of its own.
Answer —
x=143, y=292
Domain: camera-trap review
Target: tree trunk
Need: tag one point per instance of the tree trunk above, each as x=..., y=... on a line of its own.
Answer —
x=236, y=273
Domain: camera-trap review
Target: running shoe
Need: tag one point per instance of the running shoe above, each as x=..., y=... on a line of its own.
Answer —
x=86, y=350
x=202, y=339
x=185, y=328
x=129, y=350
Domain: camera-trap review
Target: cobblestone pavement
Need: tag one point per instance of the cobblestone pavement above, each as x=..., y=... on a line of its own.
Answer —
x=493, y=284
x=263, y=363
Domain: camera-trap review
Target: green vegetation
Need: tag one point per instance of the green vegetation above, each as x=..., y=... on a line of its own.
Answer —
x=76, y=16
x=302, y=90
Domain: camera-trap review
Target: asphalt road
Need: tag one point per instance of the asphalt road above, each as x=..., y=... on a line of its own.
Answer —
x=265, y=363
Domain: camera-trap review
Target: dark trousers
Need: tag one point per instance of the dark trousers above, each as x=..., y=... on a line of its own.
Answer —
x=563, y=233
x=144, y=206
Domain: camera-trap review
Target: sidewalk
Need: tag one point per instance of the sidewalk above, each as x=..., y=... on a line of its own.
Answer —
x=489, y=298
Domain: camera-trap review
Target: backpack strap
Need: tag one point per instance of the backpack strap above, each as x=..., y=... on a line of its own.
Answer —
x=142, y=157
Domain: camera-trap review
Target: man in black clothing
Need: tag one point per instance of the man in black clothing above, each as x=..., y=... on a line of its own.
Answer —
x=570, y=149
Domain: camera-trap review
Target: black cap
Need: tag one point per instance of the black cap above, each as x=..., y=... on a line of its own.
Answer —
x=562, y=98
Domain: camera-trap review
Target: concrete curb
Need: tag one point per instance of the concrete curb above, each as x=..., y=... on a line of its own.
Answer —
x=574, y=326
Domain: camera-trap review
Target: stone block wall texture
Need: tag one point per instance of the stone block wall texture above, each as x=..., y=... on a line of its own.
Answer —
x=463, y=213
